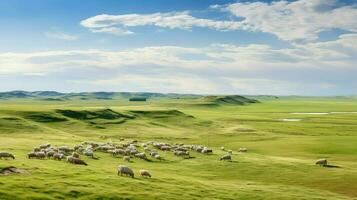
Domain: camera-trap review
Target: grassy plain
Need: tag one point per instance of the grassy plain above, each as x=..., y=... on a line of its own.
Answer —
x=279, y=163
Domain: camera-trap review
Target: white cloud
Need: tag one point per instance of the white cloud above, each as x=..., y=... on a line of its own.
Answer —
x=112, y=30
x=203, y=70
x=338, y=54
x=295, y=20
x=300, y=20
x=61, y=36
x=171, y=20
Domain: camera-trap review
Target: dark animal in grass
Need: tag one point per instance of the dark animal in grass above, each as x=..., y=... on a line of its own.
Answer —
x=6, y=155
x=31, y=155
x=50, y=154
x=58, y=156
x=76, y=161
x=38, y=155
x=321, y=162
x=124, y=170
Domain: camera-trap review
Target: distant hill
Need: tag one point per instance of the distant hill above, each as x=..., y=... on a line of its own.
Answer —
x=229, y=99
x=126, y=96
x=58, y=96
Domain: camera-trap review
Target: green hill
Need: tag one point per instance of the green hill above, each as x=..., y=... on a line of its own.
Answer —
x=229, y=99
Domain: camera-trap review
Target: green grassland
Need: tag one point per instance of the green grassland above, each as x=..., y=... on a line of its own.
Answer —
x=279, y=163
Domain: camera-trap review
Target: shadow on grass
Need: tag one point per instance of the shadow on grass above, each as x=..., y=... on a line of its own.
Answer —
x=332, y=166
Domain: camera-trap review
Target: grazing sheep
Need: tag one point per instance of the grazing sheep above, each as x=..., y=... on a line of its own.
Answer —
x=153, y=153
x=88, y=153
x=126, y=158
x=75, y=160
x=222, y=148
x=243, y=150
x=64, y=149
x=31, y=155
x=144, y=173
x=206, y=150
x=182, y=153
x=6, y=155
x=125, y=170
x=58, y=156
x=40, y=155
x=226, y=157
x=118, y=152
x=104, y=148
x=165, y=148
x=133, y=152
x=50, y=153
x=230, y=151
x=141, y=156
x=158, y=157
x=36, y=149
x=45, y=146
x=321, y=162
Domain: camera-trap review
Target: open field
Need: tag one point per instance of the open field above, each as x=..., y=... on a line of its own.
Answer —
x=279, y=163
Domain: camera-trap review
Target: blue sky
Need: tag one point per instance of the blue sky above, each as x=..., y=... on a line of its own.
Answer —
x=303, y=47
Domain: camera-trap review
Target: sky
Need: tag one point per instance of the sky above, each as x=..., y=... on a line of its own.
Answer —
x=301, y=47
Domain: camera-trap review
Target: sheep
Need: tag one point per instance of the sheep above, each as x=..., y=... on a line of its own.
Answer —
x=75, y=160
x=206, y=150
x=50, y=153
x=125, y=170
x=6, y=155
x=321, y=162
x=158, y=157
x=126, y=158
x=226, y=157
x=40, y=155
x=222, y=148
x=36, y=149
x=144, y=173
x=153, y=153
x=88, y=153
x=118, y=152
x=243, y=150
x=31, y=155
x=165, y=148
x=182, y=153
x=58, y=156
x=44, y=146
x=104, y=148
x=64, y=149
x=141, y=156
x=230, y=151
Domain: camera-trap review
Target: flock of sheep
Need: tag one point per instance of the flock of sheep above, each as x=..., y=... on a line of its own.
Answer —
x=127, y=150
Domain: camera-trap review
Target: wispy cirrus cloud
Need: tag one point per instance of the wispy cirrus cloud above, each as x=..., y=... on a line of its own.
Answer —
x=171, y=20
x=60, y=35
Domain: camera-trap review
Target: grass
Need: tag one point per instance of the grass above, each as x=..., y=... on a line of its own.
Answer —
x=279, y=163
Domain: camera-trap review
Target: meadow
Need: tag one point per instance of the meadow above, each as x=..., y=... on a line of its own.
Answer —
x=284, y=137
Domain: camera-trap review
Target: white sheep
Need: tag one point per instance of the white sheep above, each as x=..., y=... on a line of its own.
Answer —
x=144, y=173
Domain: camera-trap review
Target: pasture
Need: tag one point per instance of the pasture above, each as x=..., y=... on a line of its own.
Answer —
x=279, y=164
